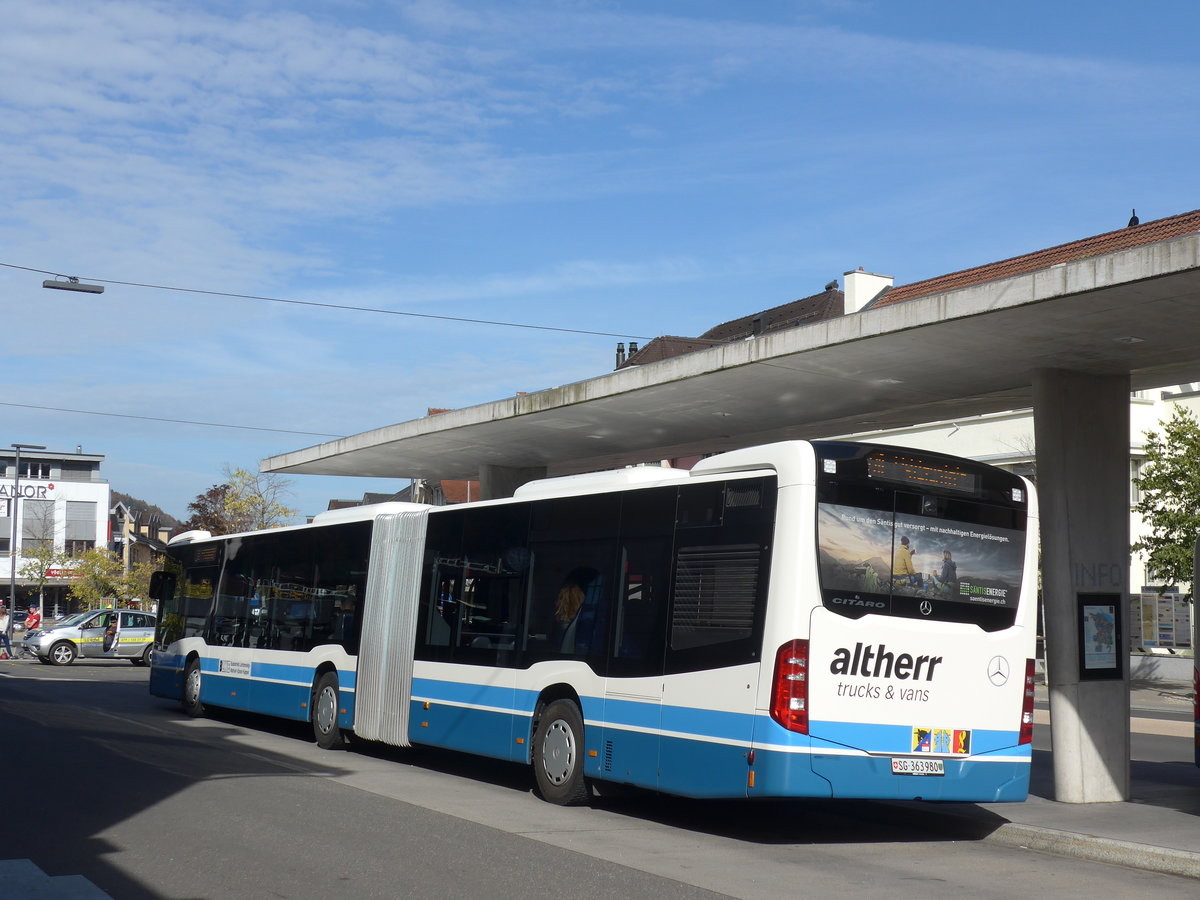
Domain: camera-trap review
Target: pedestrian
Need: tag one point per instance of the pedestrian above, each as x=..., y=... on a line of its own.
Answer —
x=33, y=619
x=7, y=652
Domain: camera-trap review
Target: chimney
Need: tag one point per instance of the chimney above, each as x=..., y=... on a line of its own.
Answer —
x=632, y=348
x=756, y=326
x=864, y=287
x=620, y=354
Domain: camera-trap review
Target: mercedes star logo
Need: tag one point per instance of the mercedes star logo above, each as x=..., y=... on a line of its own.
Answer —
x=926, y=607
x=997, y=670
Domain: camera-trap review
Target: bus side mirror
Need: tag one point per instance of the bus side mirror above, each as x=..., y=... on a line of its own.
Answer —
x=162, y=585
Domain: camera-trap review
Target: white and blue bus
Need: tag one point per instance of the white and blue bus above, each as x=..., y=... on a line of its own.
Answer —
x=821, y=619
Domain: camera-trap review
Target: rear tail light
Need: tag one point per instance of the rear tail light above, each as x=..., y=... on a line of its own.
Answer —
x=789, y=687
x=1027, y=705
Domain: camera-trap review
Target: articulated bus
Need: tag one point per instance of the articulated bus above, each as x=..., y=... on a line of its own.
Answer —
x=823, y=619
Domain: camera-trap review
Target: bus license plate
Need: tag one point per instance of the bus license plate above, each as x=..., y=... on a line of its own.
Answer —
x=910, y=766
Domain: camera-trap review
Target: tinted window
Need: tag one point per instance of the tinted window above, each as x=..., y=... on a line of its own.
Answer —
x=931, y=555
x=477, y=564
x=602, y=578
x=281, y=591
x=721, y=568
x=573, y=544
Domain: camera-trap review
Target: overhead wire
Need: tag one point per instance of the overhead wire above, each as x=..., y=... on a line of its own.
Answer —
x=92, y=412
x=311, y=303
x=342, y=306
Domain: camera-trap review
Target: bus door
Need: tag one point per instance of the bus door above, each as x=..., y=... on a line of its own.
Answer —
x=99, y=636
x=631, y=736
x=633, y=690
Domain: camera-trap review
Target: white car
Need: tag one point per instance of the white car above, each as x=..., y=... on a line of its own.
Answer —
x=87, y=634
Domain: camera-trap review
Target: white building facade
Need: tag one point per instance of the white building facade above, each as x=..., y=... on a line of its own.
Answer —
x=58, y=499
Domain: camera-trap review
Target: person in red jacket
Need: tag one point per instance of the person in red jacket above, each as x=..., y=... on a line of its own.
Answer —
x=33, y=619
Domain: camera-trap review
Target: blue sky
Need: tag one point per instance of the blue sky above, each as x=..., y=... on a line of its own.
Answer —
x=630, y=168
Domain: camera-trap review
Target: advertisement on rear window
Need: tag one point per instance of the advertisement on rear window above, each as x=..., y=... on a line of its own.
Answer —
x=868, y=551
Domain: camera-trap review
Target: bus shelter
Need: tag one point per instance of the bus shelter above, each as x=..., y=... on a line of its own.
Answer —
x=1069, y=331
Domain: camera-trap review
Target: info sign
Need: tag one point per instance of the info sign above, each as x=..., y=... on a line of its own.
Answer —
x=1099, y=621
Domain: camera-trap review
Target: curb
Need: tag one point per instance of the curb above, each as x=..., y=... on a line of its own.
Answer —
x=1098, y=849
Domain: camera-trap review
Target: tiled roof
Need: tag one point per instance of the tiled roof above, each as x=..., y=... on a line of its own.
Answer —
x=826, y=305
x=664, y=348
x=1110, y=242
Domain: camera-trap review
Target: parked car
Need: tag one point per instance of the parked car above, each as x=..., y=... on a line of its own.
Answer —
x=19, y=619
x=87, y=634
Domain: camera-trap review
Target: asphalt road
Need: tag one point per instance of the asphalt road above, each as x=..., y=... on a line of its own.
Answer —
x=110, y=783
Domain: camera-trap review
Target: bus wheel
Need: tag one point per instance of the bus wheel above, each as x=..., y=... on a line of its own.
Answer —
x=325, y=713
x=191, y=689
x=558, y=755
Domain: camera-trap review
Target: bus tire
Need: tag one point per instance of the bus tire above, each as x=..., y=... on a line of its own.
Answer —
x=325, y=713
x=558, y=755
x=191, y=689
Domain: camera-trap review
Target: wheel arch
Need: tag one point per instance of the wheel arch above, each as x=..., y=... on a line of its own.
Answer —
x=323, y=668
x=550, y=693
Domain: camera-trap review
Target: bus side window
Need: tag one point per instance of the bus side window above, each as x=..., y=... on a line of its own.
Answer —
x=196, y=600
x=489, y=610
x=641, y=602
x=441, y=585
x=641, y=609
x=444, y=600
x=572, y=540
x=495, y=567
x=722, y=564
x=570, y=600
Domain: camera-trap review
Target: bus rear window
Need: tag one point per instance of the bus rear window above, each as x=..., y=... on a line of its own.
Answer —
x=922, y=566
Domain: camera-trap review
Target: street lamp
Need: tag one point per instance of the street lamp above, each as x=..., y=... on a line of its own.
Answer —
x=73, y=284
x=12, y=548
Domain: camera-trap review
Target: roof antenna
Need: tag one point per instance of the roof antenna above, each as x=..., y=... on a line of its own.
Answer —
x=1133, y=220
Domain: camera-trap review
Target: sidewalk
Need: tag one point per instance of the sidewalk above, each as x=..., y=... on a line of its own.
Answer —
x=1158, y=829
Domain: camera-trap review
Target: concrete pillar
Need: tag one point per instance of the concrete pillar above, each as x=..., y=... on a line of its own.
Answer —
x=1081, y=424
x=496, y=482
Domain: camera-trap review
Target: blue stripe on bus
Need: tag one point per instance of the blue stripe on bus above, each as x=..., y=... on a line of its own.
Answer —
x=479, y=731
x=457, y=692
x=273, y=689
x=703, y=753
x=977, y=779
x=703, y=768
x=715, y=724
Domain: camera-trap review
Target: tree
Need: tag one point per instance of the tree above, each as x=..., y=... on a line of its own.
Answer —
x=41, y=560
x=38, y=551
x=254, y=499
x=208, y=512
x=101, y=579
x=247, y=501
x=98, y=578
x=1169, y=485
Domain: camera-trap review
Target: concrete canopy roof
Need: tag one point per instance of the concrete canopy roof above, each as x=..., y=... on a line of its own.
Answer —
x=964, y=351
